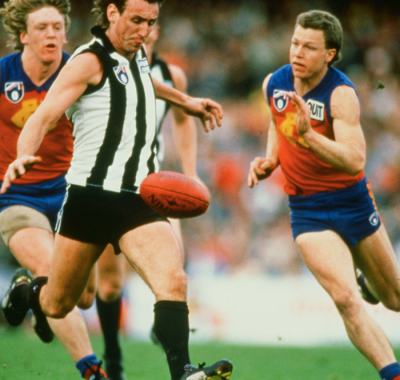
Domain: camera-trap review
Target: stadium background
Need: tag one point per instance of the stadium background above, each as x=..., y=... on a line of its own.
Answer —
x=247, y=281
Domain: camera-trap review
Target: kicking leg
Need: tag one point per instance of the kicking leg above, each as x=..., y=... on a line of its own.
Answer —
x=155, y=252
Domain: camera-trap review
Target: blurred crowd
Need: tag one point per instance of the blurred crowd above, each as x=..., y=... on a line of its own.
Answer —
x=227, y=48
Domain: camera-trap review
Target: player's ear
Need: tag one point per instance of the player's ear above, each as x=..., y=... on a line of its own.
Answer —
x=330, y=55
x=112, y=13
x=23, y=38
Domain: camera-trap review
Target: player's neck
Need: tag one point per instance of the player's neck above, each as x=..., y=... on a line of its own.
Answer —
x=37, y=70
x=305, y=85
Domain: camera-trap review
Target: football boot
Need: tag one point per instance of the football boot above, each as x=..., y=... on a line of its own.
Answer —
x=221, y=370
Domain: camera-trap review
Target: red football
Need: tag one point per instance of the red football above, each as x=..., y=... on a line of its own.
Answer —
x=174, y=195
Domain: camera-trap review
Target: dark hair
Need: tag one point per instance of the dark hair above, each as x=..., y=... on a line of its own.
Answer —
x=100, y=8
x=15, y=14
x=329, y=24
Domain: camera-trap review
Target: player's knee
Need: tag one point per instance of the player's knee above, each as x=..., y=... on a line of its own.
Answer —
x=347, y=303
x=86, y=300
x=59, y=310
x=109, y=291
x=391, y=300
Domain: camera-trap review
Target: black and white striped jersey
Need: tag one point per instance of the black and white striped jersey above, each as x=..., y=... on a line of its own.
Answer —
x=160, y=71
x=114, y=123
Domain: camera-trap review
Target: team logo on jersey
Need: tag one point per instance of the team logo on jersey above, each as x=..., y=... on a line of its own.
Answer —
x=144, y=66
x=374, y=219
x=280, y=100
x=317, y=109
x=121, y=74
x=14, y=91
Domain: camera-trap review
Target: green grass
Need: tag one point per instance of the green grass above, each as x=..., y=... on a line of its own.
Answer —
x=23, y=356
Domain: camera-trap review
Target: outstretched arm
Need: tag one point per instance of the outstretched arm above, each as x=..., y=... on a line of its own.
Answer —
x=184, y=129
x=72, y=81
x=262, y=167
x=208, y=111
x=347, y=151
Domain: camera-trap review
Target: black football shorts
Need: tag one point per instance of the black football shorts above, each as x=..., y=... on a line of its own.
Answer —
x=93, y=215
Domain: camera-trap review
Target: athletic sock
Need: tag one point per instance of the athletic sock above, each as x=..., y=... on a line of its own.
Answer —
x=83, y=365
x=171, y=326
x=109, y=316
x=390, y=372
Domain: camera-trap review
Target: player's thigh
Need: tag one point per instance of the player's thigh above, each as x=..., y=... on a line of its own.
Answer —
x=70, y=269
x=155, y=253
x=33, y=248
x=176, y=226
x=330, y=261
x=29, y=236
x=375, y=257
x=111, y=274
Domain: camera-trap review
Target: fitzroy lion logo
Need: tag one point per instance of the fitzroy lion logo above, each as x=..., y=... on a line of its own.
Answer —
x=14, y=91
x=121, y=74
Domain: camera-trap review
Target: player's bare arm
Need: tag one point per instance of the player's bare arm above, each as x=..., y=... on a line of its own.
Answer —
x=208, y=111
x=262, y=167
x=347, y=151
x=184, y=129
x=72, y=81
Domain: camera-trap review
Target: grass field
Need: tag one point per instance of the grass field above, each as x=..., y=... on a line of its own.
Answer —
x=23, y=356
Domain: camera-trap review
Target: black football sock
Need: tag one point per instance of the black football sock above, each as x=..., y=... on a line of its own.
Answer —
x=171, y=326
x=109, y=316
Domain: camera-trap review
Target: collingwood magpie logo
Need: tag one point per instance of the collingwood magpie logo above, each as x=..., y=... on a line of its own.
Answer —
x=374, y=219
x=280, y=100
x=317, y=109
x=14, y=91
x=121, y=74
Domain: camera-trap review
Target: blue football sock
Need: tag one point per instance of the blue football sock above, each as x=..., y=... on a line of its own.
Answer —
x=390, y=371
x=88, y=361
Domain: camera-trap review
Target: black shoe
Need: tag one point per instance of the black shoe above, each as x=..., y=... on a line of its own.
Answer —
x=95, y=373
x=114, y=369
x=39, y=320
x=15, y=315
x=366, y=294
x=219, y=371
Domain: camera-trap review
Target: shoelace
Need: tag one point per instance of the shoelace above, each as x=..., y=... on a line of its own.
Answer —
x=95, y=372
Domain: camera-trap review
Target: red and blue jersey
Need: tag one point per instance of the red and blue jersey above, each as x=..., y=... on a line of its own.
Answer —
x=19, y=98
x=305, y=172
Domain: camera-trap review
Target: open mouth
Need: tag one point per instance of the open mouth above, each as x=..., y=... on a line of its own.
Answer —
x=50, y=46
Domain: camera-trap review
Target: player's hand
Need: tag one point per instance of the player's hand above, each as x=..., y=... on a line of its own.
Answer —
x=17, y=169
x=208, y=111
x=260, y=168
x=303, y=113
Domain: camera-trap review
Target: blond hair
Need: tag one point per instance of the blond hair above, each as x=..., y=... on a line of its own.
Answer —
x=15, y=15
